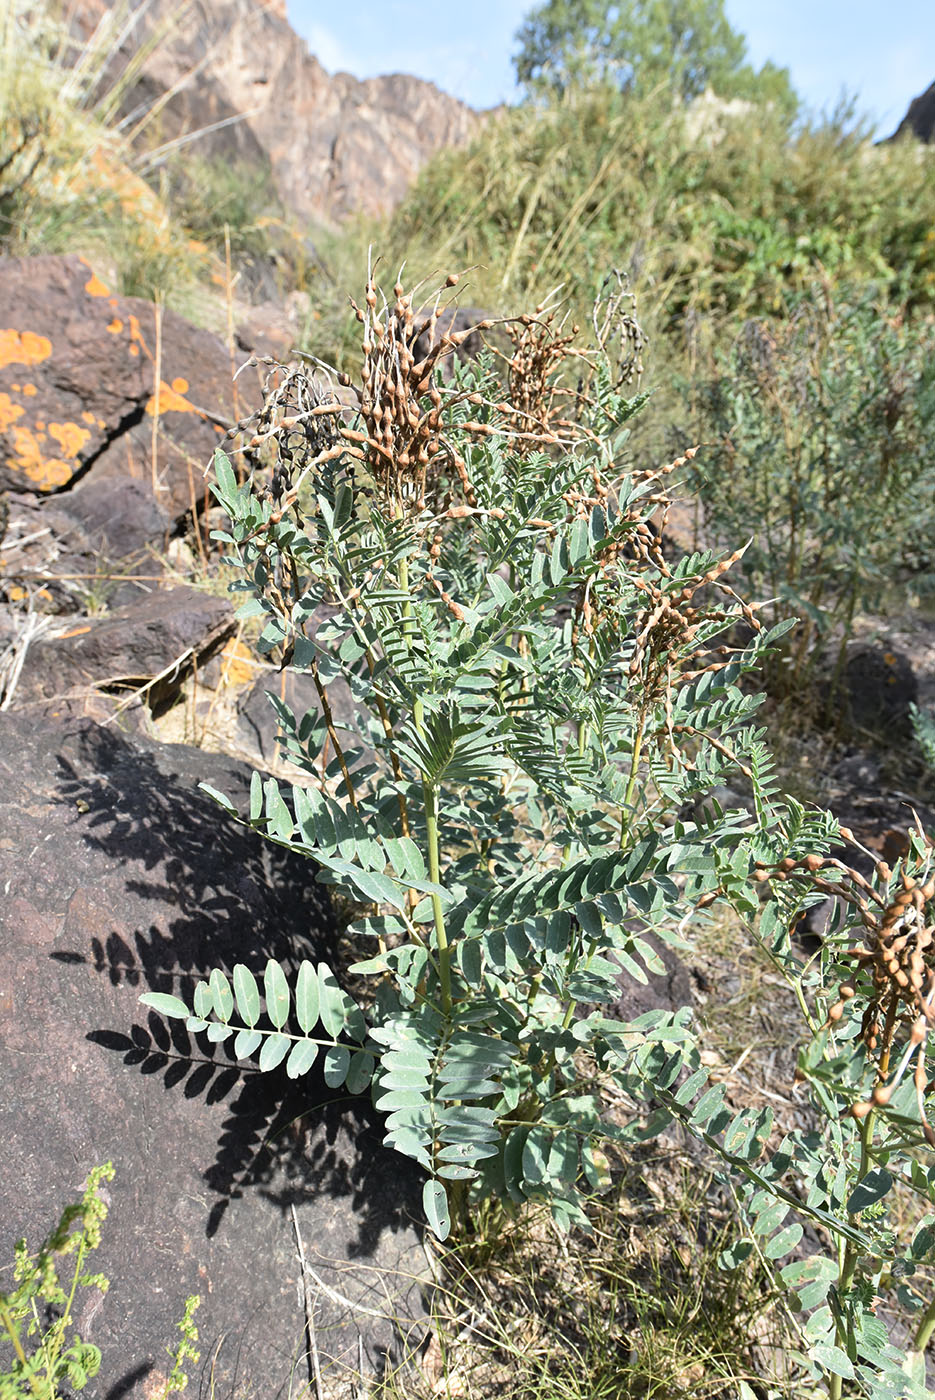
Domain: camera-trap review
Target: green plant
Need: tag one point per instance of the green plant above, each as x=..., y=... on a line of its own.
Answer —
x=208, y=197
x=923, y=727
x=539, y=691
x=37, y=1315
x=540, y=694
x=70, y=160
x=868, y=1002
x=822, y=432
x=185, y=1350
x=712, y=221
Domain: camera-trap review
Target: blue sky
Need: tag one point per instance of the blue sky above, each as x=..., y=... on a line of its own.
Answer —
x=883, y=53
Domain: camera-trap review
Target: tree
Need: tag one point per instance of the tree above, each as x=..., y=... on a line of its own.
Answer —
x=638, y=44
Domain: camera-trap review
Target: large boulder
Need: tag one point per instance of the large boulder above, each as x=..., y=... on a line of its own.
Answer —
x=81, y=400
x=149, y=646
x=120, y=876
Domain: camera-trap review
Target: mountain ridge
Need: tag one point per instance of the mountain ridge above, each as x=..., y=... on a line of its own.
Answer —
x=237, y=71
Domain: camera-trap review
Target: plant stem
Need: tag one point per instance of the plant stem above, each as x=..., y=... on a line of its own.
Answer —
x=441, y=938
x=332, y=734
x=631, y=780
x=12, y=1331
x=925, y=1328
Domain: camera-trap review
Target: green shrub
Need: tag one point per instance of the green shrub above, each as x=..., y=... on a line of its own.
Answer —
x=541, y=696
x=821, y=451
x=724, y=217
x=211, y=197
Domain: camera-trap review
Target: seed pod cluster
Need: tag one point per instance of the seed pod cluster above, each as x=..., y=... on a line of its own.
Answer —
x=404, y=411
x=894, y=967
x=294, y=432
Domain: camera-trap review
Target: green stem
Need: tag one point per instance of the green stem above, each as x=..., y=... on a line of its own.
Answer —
x=925, y=1328
x=842, y=1332
x=12, y=1331
x=441, y=938
x=631, y=780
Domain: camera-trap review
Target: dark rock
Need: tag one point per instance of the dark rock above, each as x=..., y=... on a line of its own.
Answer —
x=267, y=330
x=78, y=390
x=879, y=686
x=668, y=991
x=258, y=724
x=119, y=876
x=118, y=523
x=856, y=774
x=919, y=121
x=157, y=635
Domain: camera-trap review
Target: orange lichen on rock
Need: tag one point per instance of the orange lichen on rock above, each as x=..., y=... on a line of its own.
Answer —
x=95, y=287
x=23, y=348
x=238, y=664
x=30, y=390
x=171, y=399
x=70, y=437
x=88, y=417
x=45, y=472
x=9, y=412
x=115, y=326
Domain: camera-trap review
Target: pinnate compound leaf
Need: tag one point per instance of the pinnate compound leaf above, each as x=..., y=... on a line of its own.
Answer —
x=218, y=797
x=536, y=1156
x=276, y=989
x=166, y=1005
x=784, y=1242
x=360, y=1071
x=832, y=1358
x=275, y=1049
x=336, y=1009
x=226, y=489
x=203, y=1001
x=331, y=1005
x=256, y=797
x=247, y=994
x=435, y=1205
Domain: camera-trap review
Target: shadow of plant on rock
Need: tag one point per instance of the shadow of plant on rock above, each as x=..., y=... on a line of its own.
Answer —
x=219, y=895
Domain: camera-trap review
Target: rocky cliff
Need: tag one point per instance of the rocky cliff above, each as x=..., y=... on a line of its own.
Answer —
x=920, y=118
x=336, y=145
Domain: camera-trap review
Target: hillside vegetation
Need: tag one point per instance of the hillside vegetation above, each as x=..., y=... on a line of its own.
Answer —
x=560, y=688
